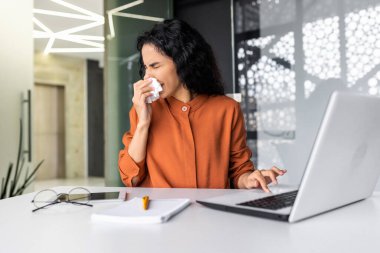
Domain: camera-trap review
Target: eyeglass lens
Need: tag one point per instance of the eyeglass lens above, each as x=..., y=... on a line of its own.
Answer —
x=79, y=194
x=45, y=197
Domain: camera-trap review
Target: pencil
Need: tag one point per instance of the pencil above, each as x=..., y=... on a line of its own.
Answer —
x=145, y=200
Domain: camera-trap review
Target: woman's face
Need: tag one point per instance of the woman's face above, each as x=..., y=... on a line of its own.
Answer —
x=162, y=67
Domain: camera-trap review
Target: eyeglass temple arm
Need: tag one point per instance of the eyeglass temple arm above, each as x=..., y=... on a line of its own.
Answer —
x=77, y=203
x=50, y=204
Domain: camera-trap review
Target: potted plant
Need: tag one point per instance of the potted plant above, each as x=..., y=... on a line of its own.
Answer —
x=10, y=185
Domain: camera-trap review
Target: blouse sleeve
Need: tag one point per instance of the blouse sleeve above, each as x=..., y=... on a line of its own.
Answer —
x=240, y=153
x=128, y=168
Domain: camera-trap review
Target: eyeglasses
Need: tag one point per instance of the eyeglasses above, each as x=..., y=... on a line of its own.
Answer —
x=77, y=196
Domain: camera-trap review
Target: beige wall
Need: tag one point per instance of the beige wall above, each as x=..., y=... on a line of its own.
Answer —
x=70, y=73
x=16, y=74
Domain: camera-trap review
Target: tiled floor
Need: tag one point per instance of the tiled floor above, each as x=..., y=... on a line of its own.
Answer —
x=46, y=184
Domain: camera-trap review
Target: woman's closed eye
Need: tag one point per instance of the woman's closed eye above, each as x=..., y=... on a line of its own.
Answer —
x=154, y=65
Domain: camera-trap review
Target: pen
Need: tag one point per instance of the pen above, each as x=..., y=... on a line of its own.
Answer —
x=145, y=200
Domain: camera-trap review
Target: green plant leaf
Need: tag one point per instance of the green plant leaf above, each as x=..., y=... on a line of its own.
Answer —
x=5, y=189
x=13, y=185
x=28, y=180
x=18, y=175
x=1, y=189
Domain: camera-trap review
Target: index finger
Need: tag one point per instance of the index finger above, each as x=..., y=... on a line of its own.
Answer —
x=278, y=171
x=142, y=83
x=260, y=178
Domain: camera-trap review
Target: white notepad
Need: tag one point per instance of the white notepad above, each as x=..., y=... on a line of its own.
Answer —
x=160, y=210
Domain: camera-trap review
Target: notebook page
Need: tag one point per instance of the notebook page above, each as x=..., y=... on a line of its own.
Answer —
x=132, y=211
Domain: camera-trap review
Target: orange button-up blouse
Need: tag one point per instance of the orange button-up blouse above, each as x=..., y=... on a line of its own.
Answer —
x=199, y=144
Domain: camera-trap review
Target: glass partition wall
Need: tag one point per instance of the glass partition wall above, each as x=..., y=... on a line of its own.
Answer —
x=290, y=55
x=125, y=20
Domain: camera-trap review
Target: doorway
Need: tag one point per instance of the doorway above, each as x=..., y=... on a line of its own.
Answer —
x=49, y=130
x=95, y=117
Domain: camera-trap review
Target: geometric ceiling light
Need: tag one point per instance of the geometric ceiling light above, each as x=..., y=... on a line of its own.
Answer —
x=92, y=43
x=117, y=12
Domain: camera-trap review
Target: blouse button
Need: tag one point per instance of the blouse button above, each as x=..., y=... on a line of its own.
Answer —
x=184, y=108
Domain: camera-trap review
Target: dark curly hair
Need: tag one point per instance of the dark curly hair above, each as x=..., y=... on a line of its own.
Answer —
x=192, y=55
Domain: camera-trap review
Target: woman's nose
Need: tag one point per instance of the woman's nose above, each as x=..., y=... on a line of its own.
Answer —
x=147, y=74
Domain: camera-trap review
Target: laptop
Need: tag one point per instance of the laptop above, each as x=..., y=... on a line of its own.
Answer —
x=343, y=167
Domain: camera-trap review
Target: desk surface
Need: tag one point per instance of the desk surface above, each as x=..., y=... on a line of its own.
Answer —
x=68, y=228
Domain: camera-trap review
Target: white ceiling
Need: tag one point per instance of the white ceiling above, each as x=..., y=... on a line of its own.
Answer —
x=49, y=23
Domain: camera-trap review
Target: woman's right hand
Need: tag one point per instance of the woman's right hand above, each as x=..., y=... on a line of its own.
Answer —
x=142, y=90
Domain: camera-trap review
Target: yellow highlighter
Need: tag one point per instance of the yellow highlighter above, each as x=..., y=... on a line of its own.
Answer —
x=145, y=200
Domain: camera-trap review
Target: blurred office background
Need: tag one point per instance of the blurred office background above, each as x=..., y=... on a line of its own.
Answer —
x=78, y=60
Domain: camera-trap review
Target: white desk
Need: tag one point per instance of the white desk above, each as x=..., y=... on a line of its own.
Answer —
x=68, y=228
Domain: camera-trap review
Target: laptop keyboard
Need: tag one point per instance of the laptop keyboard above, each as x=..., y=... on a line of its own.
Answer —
x=273, y=202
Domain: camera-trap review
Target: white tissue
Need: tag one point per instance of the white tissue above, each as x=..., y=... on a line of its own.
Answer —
x=155, y=93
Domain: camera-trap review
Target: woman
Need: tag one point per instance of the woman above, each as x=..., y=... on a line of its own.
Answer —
x=193, y=136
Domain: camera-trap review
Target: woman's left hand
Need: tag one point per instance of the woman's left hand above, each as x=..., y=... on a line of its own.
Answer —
x=260, y=178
